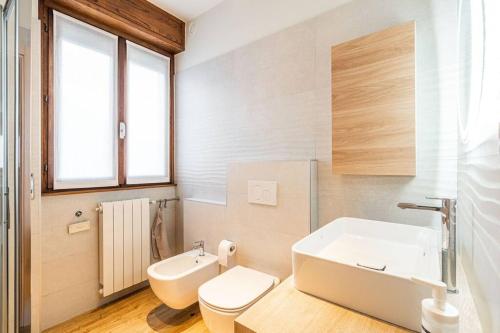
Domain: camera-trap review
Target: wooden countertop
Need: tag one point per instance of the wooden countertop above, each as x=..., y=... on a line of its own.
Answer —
x=285, y=309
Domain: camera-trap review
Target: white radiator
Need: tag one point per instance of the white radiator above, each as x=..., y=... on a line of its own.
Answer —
x=124, y=244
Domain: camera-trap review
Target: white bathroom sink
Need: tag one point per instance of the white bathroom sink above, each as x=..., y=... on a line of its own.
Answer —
x=366, y=265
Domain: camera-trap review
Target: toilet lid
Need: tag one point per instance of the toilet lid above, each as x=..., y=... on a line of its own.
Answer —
x=235, y=288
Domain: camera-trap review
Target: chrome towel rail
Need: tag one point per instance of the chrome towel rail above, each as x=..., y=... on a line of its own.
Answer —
x=151, y=202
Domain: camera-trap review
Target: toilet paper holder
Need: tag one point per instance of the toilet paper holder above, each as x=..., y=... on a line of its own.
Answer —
x=226, y=249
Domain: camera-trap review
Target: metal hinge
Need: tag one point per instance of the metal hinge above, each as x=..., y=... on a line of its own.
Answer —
x=45, y=27
x=6, y=220
x=46, y=168
x=45, y=98
x=32, y=186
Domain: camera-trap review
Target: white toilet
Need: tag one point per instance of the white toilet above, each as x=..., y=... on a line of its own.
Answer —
x=228, y=295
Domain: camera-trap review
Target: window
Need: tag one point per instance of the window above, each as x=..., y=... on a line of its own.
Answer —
x=110, y=110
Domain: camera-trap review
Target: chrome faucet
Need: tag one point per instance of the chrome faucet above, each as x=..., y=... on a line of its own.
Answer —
x=448, y=211
x=199, y=245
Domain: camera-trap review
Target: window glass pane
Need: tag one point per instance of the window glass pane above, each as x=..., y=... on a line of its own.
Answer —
x=148, y=121
x=85, y=115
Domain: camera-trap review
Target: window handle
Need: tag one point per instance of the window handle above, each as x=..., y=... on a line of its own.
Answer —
x=123, y=130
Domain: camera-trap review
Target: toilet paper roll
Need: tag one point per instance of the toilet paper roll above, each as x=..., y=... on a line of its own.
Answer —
x=226, y=249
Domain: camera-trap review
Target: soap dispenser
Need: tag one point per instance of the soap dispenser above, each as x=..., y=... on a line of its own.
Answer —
x=438, y=316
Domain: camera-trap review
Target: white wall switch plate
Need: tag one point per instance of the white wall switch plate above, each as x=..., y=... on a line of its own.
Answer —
x=79, y=227
x=263, y=192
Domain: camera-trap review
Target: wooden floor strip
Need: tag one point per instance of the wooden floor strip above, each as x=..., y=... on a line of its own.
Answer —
x=141, y=312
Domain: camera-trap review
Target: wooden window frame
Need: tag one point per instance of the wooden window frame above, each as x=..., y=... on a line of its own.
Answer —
x=47, y=118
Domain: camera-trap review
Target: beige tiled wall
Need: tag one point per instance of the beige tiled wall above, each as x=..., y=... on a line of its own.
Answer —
x=263, y=234
x=70, y=263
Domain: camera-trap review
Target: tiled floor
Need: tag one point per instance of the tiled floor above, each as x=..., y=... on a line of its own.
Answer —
x=141, y=312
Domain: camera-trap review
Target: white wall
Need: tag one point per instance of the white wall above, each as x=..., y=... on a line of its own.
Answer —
x=271, y=100
x=235, y=23
x=479, y=186
x=35, y=164
x=35, y=205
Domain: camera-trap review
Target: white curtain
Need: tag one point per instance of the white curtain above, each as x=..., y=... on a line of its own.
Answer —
x=85, y=105
x=148, y=116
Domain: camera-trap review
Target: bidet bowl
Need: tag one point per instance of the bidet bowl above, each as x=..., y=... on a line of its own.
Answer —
x=175, y=281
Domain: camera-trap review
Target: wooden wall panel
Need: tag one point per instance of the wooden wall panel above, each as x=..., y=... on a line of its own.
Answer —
x=373, y=97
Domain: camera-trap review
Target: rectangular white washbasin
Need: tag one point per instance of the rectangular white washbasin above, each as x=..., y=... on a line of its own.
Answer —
x=366, y=266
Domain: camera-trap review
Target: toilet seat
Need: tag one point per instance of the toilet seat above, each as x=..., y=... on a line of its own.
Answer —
x=235, y=290
x=213, y=308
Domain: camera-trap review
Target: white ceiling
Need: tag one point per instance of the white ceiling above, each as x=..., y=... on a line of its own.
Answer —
x=186, y=9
